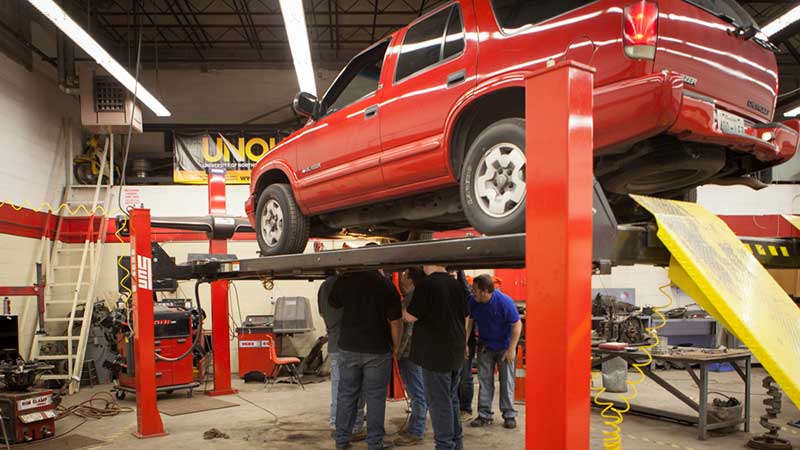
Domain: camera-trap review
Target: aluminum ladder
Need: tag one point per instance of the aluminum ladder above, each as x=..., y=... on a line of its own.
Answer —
x=72, y=271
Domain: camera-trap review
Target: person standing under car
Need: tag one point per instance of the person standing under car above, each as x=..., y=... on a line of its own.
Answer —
x=413, y=431
x=370, y=333
x=333, y=318
x=438, y=311
x=500, y=328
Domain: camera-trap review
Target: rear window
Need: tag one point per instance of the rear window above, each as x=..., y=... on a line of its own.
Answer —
x=726, y=8
x=515, y=14
x=433, y=39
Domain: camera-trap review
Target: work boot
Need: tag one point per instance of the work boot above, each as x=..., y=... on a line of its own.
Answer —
x=384, y=446
x=466, y=416
x=481, y=422
x=407, y=440
x=510, y=423
x=357, y=437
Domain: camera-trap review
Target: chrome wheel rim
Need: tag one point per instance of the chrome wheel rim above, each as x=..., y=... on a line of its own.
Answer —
x=272, y=223
x=500, y=180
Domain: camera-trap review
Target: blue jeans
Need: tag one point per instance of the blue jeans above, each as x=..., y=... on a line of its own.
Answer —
x=441, y=391
x=335, y=377
x=368, y=375
x=487, y=360
x=467, y=389
x=412, y=381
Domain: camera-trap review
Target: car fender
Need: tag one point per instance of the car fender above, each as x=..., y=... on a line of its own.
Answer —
x=504, y=81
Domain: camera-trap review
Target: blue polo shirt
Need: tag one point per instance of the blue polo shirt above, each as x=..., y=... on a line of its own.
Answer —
x=494, y=320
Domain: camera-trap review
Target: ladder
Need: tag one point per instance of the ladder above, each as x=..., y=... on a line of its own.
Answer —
x=72, y=271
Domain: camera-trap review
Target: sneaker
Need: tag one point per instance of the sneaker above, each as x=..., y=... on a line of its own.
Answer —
x=480, y=422
x=357, y=437
x=466, y=416
x=510, y=423
x=407, y=440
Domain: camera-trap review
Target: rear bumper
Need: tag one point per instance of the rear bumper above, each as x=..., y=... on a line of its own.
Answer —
x=634, y=110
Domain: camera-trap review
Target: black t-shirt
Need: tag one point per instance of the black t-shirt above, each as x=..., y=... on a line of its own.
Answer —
x=370, y=301
x=440, y=304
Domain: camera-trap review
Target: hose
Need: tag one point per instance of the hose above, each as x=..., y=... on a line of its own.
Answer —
x=613, y=416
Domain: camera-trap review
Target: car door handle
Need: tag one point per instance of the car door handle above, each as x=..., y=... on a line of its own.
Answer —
x=456, y=78
x=371, y=112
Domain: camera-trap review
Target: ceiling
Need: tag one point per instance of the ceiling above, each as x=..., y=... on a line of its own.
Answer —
x=242, y=33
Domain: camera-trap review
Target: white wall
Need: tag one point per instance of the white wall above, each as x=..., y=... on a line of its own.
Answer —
x=740, y=200
x=33, y=143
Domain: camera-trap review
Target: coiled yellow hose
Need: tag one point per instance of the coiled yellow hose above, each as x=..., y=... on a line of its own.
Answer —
x=613, y=416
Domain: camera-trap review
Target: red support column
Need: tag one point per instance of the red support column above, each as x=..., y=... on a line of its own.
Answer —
x=220, y=337
x=148, y=420
x=558, y=256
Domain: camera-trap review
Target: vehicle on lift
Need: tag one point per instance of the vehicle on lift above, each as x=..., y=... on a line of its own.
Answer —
x=425, y=130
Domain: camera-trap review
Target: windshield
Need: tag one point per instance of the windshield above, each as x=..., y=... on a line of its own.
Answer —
x=728, y=8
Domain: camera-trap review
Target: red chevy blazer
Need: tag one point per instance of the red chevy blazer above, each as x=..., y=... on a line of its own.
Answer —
x=425, y=130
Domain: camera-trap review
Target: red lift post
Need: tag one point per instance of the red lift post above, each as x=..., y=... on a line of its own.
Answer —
x=148, y=419
x=220, y=340
x=559, y=142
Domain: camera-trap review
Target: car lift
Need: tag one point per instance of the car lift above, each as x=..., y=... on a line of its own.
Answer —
x=570, y=234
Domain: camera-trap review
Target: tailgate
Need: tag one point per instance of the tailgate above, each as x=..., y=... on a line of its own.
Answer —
x=740, y=74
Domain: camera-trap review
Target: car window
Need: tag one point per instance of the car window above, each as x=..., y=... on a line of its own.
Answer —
x=359, y=79
x=454, y=39
x=514, y=14
x=422, y=45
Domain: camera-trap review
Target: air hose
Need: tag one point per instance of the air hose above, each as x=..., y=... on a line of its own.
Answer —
x=613, y=416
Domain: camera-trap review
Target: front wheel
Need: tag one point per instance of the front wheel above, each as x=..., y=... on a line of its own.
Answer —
x=493, y=184
x=281, y=228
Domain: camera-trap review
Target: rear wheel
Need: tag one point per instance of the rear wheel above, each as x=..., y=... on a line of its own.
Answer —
x=281, y=228
x=493, y=184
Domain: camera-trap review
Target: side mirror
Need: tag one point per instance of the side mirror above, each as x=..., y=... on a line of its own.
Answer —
x=306, y=105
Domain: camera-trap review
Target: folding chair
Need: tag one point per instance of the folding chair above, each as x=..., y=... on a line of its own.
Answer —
x=290, y=362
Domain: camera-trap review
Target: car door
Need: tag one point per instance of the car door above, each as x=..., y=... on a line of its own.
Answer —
x=434, y=67
x=338, y=158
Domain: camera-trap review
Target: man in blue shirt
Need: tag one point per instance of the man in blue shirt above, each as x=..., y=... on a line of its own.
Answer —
x=499, y=329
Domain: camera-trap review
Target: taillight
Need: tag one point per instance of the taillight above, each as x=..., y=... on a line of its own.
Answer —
x=640, y=30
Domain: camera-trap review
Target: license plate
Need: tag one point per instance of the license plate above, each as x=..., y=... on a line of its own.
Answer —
x=729, y=123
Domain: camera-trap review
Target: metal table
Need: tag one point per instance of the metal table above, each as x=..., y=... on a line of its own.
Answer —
x=687, y=358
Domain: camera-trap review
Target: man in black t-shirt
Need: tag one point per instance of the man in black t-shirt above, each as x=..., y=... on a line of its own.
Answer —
x=370, y=332
x=438, y=311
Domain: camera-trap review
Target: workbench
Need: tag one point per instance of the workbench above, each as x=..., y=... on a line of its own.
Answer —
x=687, y=358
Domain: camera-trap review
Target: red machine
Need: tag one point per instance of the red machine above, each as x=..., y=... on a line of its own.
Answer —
x=254, y=346
x=28, y=416
x=175, y=329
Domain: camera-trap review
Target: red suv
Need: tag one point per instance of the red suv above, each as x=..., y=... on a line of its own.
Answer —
x=425, y=130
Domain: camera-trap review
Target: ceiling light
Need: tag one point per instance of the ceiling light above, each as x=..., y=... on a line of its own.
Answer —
x=295, y=20
x=792, y=16
x=93, y=49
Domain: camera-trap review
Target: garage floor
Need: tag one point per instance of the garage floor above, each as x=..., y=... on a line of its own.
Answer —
x=303, y=422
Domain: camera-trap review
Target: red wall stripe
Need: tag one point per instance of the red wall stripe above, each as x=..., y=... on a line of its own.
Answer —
x=33, y=224
x=28, y=223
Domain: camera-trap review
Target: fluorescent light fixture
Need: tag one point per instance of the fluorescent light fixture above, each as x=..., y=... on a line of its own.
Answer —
x=93, y=49
x=793, y=112
x=792, y=16
x=295, y=20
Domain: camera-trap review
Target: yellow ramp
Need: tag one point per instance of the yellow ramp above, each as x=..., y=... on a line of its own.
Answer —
x=713, y=266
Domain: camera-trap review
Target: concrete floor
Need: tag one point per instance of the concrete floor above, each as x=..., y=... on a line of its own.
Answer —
x=303, y=422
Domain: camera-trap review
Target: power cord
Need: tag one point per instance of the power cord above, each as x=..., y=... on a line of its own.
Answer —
x=276, y=420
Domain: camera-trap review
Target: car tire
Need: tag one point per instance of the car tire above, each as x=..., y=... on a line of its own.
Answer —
x=495, y=164
x=281, y=228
